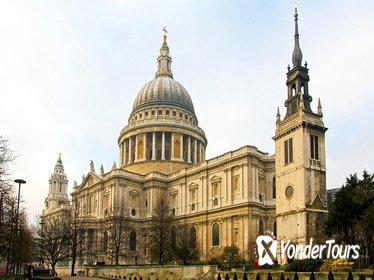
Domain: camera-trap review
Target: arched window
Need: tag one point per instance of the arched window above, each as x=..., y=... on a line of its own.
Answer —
x=193, y=237
x=105, y=241
x=133, y=212
x=274, y=188
x=173, y=237
x=132, y=241
x=215, y=235
x=260, y=227
x=173, y=211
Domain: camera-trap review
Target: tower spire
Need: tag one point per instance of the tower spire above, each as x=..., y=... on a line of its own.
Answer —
x=164, y=58
x=297, y=55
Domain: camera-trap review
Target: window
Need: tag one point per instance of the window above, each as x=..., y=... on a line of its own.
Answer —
x=235, y=183
x=314, y=147
x=59, y=190
x=160, y=112
x=153, y=112
x=173, y=211
x=275, y=229
x=105, y=241
x=133, y=212
x=215, y=235
x=146, y=203
x=146, y=114
x=193, y=206
x=193, y=237
x=180, y=115
x=140, y=116
x=288, y=151
x=174, y=113
x=274, y=188
x=215, y=201
x=173, y=238
x=167, y=112
x=132, y=241
x=260, y=227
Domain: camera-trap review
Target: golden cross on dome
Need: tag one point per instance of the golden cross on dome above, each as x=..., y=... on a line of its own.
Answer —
x=165, y=33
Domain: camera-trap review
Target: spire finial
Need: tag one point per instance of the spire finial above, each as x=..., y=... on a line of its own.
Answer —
x=319, y=108
x=165, y=34
x=278, y=115
x=297, y=55
x=59, y=161
x=164, y=58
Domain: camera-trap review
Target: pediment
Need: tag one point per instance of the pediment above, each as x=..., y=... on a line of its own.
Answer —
x=173, y=191
x=193, y=186
x=134, y=192
x=216, y=179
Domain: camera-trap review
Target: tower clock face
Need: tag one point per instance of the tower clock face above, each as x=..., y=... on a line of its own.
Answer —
x=289, y=192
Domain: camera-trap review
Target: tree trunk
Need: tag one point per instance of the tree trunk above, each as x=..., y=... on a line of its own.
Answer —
x=73, y=258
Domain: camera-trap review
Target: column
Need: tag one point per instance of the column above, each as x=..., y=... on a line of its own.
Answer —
x=136, y=149
x=130, y=150
x=163, y=146
x=195, y=152
x=124, y=152
x=181, y=148
x=144, y=146
x=189, y=150
x=172, y=146
x=154, y=146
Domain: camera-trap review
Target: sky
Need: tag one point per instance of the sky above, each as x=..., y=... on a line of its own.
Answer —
x=70, y=71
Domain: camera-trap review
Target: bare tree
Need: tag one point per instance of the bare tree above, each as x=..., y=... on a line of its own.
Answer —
x=186, y=247
x=6, y=156
x=161, y=226
x=52, y=240
x=75, y=238
x=116, y=234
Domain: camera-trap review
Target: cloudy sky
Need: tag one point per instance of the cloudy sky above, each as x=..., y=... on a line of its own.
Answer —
x=70, y=70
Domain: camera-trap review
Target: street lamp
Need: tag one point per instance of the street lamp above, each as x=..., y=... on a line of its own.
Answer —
x=19, y=182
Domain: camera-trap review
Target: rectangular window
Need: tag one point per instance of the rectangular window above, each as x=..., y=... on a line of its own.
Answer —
x=288, y=151
x=314, y=147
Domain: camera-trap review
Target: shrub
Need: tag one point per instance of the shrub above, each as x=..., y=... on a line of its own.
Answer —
x=341, y=264
x=326, y=265
x=249, y=266
x=307, y=265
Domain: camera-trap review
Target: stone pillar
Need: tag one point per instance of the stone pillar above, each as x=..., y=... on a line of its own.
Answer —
x=130, y=152
x=195, y=152
x=136, y=149
x=124, y=153
x=144, y=146
x=181, y=148
x=163, y=146
x=154, y=146
x=172, y=146
x=189, y=150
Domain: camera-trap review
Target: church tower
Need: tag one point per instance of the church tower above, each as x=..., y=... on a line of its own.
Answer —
x=58, y=189
x=300, y=158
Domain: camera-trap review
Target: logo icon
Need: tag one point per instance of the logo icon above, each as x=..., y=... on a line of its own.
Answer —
x=267, y=249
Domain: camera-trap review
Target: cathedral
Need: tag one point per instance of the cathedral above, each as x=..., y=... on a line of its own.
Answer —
x=226, y=200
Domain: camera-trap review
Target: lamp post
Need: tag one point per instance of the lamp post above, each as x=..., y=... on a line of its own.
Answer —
x=19, y=182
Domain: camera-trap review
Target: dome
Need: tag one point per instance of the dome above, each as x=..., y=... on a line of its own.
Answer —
x=166, y=91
